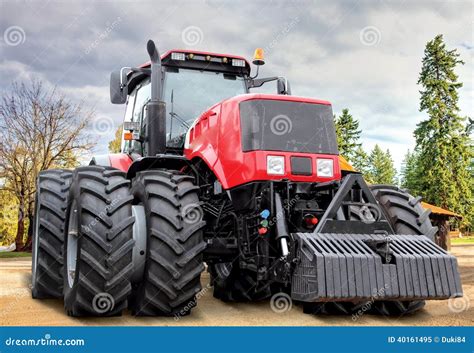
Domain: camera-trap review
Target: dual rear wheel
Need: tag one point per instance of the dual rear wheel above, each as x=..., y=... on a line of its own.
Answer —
x=84, y=242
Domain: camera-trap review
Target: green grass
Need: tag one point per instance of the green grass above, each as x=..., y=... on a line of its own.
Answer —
x=469, y=240
x=9, y=255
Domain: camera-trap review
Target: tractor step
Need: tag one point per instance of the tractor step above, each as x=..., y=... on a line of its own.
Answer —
x=348, y=267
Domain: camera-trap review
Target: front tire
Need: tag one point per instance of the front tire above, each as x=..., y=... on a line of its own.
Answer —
x=175, y=243
x=98, y=243
x=406, y=216
x=48, y=238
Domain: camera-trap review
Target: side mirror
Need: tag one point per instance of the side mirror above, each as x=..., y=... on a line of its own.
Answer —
x=283, y=86
x=118, y=87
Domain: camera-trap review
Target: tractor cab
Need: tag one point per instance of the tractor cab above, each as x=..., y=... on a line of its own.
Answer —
x=191, y=82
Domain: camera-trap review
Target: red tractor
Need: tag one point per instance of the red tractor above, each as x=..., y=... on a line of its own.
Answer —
x=248, y=184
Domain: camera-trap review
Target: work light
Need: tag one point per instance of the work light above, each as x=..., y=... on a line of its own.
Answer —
x=324, y=168
x=276, y=165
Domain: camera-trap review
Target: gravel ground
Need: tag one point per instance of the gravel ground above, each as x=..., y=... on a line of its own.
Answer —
x=18, y=308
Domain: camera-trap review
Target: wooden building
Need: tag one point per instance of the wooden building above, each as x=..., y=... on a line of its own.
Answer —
x=443, y=219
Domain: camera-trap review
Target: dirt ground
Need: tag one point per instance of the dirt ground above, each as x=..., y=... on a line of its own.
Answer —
x=18, y=308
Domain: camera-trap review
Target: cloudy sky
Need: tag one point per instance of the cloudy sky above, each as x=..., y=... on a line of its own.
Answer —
x=363, y=55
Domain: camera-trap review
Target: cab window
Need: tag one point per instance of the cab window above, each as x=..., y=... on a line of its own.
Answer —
x=137, y=112
x=128, y=117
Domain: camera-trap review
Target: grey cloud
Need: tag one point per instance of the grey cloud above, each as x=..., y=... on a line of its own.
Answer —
x=316, y=44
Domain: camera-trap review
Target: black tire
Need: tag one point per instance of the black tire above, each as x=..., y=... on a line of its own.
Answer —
x=333, y=308
x=232, y=284
x=174, y=260
x=100, y=204
x=407, y=216
x=404, y=212
x=48, y=233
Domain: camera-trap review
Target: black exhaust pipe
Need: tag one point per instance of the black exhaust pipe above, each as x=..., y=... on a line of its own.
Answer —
x=156, y=114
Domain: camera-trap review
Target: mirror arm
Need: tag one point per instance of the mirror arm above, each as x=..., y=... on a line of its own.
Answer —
x=131, y=69
x=253, y=83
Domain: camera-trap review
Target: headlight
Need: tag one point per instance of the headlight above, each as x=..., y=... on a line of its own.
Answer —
x=325, y=168
x=276, y=165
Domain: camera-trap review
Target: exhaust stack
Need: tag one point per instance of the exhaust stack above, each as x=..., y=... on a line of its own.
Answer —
x=156, y=108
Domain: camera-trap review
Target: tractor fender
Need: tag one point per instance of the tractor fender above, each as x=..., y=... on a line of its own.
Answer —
x=120, y=161
x=172, y=162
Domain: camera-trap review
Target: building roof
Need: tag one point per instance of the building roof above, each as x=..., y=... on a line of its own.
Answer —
x=440, y=211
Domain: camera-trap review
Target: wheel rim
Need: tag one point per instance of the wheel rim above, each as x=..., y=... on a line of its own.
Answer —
x=36, y=236
x=71, y=249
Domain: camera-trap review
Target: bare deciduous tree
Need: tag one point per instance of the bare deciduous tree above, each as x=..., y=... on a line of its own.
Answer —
x=39, y=129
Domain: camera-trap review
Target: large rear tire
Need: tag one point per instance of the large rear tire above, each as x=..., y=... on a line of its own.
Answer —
x=48, y=233
x=98, y=243
x=174, y=260
x=407, y=216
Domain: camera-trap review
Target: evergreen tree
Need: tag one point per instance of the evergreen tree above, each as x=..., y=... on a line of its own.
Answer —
x=348, y=135
x=360, y=163
x=410, y=176
x=381, y=169
x=443, y=139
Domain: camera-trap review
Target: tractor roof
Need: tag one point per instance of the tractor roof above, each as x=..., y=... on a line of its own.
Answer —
x=194, y=59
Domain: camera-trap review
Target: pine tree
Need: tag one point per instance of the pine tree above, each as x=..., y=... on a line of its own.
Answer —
x=360, y=163
x=410, y=175
x=381, y=169
x=348, y=135
x=443, y=139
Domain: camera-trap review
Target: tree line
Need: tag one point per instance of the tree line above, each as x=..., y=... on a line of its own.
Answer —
x=441, y=166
